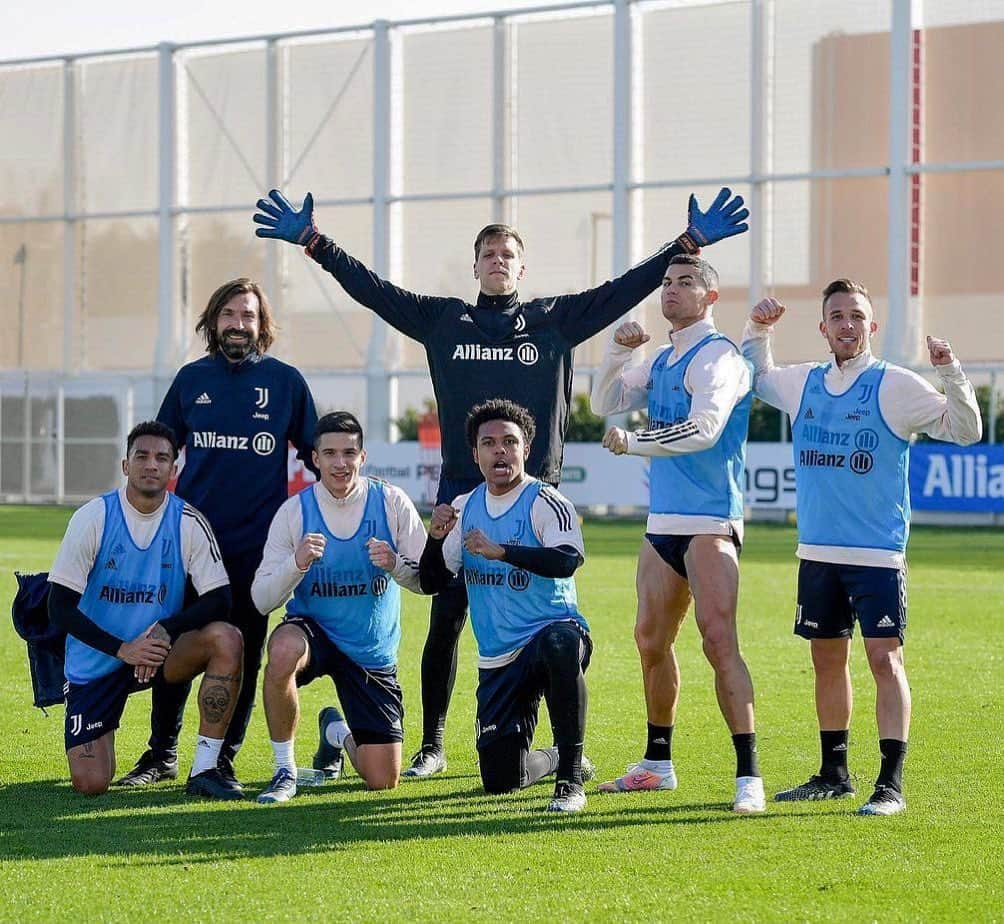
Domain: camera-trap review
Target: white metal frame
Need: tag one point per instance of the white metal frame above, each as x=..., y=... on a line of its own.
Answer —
x=624, y=185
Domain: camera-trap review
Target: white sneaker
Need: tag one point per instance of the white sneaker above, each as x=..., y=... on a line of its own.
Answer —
x=749, y=795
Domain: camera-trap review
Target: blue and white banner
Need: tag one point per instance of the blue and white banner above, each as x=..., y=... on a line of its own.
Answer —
x=953, y=478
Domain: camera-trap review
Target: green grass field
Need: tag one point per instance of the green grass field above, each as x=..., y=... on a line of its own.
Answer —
x=440, y=850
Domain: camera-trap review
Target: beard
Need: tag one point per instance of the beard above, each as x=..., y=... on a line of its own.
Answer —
x=235, y=344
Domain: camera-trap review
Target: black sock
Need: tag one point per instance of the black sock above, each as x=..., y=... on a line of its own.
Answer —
x=660, y=742
x=747, y=763
x=569, y=766
x=833, y=745
x=891, y=771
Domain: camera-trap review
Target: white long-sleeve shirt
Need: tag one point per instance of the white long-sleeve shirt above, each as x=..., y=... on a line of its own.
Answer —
x=278, y=575
x=908, y=402
x=717, y=379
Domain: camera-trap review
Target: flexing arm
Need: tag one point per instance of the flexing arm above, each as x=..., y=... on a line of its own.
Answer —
x=779, y=386
x=413, y=315
x=279, y=573
x=717, y=379
x=619, y=386
x=911, y=404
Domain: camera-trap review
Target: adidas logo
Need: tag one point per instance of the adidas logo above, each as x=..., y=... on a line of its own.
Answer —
x=203, y=399
x=809, y=415
x=885, y=623
x=840, y=747
x=110, y=565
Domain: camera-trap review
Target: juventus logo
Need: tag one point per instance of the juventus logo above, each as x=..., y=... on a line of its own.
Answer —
x=76, y=724
x=865, y=394
x=260, y=397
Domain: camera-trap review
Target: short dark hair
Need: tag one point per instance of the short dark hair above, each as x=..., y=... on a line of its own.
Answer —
x=848, y=287
x=152, y=428
x=242, y=286
x=500, y=409
x=338, y=422
x=704, y=270
x=497, y=230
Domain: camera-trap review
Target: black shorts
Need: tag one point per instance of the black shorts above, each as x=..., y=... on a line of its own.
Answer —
x=831, y=597
x=369, y=697
x=509, y=697
x=673, y=549
x=95, y=708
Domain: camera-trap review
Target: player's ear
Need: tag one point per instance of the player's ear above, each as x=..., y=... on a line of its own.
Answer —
x=522, y=271
x=362, y=457
x=712, y=296
x=125, y=467
x=873, y=327
x=475, y=269
x=316, y=459
x=822, y=328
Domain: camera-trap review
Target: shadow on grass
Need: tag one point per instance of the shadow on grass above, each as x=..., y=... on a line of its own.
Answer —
x=47, y=820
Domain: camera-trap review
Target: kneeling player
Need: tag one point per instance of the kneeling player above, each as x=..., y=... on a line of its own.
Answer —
x=335, y=548
x=519, y=545
x=118, y=587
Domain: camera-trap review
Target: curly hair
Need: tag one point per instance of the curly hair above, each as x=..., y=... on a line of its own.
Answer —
x=499, y=409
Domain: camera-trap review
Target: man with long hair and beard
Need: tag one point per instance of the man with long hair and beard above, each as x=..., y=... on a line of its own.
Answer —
x=234, y=410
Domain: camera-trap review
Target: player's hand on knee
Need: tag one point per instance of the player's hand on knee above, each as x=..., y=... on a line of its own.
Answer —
x=616, y=441
x=282, y=222
x=631, y=335
x=144, y=674
x=443, y=519
x=145, y=650
x=767, y=311
x=941, y=352
x=724, y=218
x=477, y=543
x=381, y=554
x=310, y=548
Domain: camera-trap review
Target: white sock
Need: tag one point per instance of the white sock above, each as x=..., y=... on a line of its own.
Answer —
x=207, y=753
x=656, y=766
x=283, y=752
x=336, y=733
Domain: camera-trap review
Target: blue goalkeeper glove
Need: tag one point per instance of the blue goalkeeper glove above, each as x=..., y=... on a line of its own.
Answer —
x=282, y=222
x=725, y=218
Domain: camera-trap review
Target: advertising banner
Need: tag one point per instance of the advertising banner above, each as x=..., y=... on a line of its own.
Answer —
x=942, y=476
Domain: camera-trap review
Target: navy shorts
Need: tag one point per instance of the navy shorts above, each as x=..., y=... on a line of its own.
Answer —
x=832, y=597
x=673, y=549
x=370, y=697
x=95, y=708
x=509, y=697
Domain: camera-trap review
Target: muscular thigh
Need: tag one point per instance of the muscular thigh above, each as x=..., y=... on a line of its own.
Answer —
x=713, y=566
x=663, y=596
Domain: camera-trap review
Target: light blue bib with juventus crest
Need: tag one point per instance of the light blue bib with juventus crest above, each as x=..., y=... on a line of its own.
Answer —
x=705, y=483
x=509, y=605
x=129, y=588
x=357, y=604
x=851, y=470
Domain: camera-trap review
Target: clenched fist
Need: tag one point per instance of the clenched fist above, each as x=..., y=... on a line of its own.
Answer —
x=767, y=311
x=631, y=334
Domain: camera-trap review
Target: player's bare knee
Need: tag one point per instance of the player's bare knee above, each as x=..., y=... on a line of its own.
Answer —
x=89, y=784
x=225, y=640
x=720, y=647
x=380, y=780
x=885, y=663
x=284, y=652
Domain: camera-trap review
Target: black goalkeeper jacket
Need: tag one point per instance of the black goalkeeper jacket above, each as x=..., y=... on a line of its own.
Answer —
x=498, y=348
